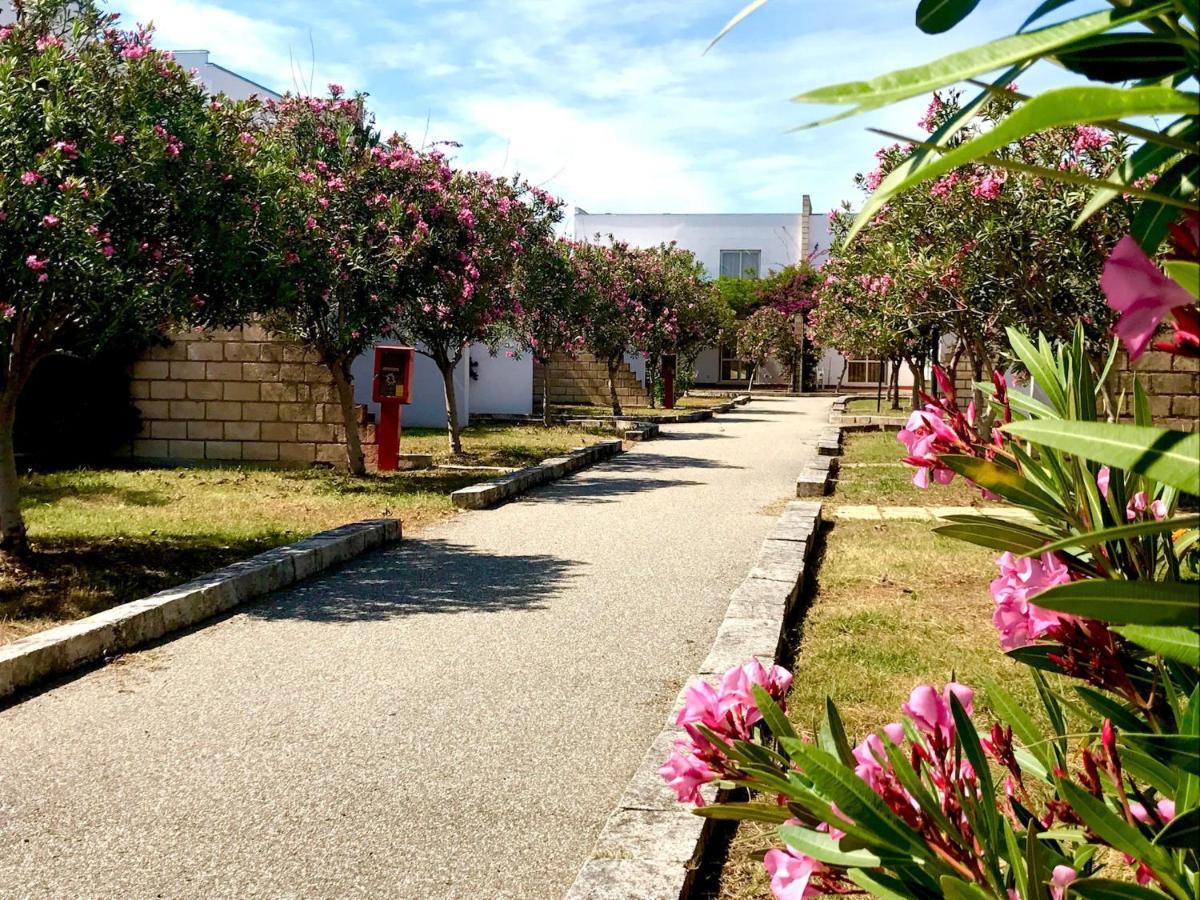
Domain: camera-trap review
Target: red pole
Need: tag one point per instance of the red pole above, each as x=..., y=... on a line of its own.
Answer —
x=387, y=436
x=668, y=376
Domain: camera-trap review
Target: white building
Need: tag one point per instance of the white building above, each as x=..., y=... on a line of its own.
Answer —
x=738, y=245
x=219, y=80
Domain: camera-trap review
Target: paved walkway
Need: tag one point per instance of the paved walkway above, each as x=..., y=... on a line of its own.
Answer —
x=450, y=718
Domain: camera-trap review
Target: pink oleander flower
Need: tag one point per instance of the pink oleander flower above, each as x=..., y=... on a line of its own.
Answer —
x=1165, y=809
x=1137, y=289
x=685, y=773
x=34, y=262
x=50, y=220
x=1059, y=879
x=930, y=711
x=118, y=139
x=46, y=41
x=30, y=178
x=1019, y=621
x=925, y=436
x=1102, y=479
x=135, y=51
x=791, y=874
x=1088, y=137
x=869, y=753
x=990, y=187
x=873, y=179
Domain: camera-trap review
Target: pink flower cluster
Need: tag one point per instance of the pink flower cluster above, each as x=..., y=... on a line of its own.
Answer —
x=1019, y=621
x=1088, y=137
x=989, y=187
x=729, y=710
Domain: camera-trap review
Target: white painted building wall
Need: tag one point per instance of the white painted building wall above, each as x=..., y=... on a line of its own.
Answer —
x=219, y=80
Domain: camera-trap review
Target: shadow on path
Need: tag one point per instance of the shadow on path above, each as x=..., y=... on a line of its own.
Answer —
x=630, y=473
x=421, y=576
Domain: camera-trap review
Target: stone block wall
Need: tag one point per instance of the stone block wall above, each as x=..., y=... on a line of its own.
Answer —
x=237, y=395
x=585, y=380
x=1172, y=383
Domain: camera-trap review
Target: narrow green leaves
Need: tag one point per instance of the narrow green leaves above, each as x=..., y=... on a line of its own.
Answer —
x=936, y=16
x=1127, y=602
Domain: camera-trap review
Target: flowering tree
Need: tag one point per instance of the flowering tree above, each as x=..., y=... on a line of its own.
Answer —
x=125, y=206
x=765, y=334
x=460, y=290
x=550, y=306
x=615, y=320
x=979, y=249
x=353, y=213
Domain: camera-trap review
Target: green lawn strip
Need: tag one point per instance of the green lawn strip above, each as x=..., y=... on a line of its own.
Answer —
x=108, y=536
x=890, y=486
x=863, y=406
x=895, y=606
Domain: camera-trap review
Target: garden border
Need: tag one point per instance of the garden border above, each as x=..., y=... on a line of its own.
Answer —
x=500, y=490
x=651, y=845
x=838, y=416
x=57, y=651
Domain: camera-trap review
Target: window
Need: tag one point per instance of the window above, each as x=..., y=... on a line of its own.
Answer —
x=865, y=371
x=732, y=368
x=740, y=263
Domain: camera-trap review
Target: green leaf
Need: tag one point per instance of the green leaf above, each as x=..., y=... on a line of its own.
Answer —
x=905, y=83
x=753, y=812
x=882, y=885
x=1107, y=708
x=957, y=889
x=1185, y=272
x=1154, y=217
x=833, y=732
x=1179, y=750
x=1124, y=57
x=1054, y=109
x=771, y=713
x=732, y=23
x=822, y=847
x=1126, y=602
x=1108, y=825
x=1136, y=529
x=1040, y=368
x=1183, y=831
x=1008, y=483
x=1179, y=644
x=1166, y=456
x=1107, y=889
x=1013, y=713
x=936, y=16
x=1044, y=8
x=995, y=534
x=1150, y=157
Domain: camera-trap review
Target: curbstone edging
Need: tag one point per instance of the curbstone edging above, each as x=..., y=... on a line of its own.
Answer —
x=651, y=845
x=56, y=651
x=491, y=493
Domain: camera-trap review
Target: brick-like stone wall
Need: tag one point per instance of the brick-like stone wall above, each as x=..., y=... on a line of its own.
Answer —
x=585, y=380
x=236, y=395
x=1172, y=383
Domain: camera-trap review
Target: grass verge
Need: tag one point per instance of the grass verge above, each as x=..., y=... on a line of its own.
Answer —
x=871, y=472
x=869, y=406
x=108, y=536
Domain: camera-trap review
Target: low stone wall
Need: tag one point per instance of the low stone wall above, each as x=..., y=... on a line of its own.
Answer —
x=585, y=380
x=1172, y=382
x=236, y=395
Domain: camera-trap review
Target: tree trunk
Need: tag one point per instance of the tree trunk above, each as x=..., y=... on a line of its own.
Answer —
x=546, y=393
x=894, y=392
x=355, y=463
x=753, y=372
x=446, y=367
x=13, y=540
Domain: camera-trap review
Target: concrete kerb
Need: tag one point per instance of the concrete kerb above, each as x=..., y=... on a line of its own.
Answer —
x=26, y=662
x=492, y=493
x=651, y=845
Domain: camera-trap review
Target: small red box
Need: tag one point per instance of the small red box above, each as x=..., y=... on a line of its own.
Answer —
x=392, y=383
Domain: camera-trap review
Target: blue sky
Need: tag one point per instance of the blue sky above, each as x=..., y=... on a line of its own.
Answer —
x=610, y=104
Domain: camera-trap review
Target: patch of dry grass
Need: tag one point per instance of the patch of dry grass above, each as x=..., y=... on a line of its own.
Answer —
x=500, y=444
x=863, y=406
x=895, y=606
x=890, y=485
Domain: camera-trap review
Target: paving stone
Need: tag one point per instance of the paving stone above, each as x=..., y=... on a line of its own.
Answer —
x=629, y=879
x=905, y=512
x=760, y=598
x=863, y=513
x=739, y=639
x=655, y=835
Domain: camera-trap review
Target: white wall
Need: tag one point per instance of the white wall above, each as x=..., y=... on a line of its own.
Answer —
x=777, y=235
x=219, y=80
x=503, y=384
x=428, y=407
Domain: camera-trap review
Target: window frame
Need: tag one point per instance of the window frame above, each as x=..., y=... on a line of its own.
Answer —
x=742, y=268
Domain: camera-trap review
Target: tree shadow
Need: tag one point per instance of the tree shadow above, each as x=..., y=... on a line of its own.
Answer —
x=420, y=576
x=630, y=473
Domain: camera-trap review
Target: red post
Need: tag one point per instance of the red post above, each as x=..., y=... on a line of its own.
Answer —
x=387, y=436
x=668, y=378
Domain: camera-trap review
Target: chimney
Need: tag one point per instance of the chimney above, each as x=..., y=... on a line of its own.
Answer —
x=805, y=227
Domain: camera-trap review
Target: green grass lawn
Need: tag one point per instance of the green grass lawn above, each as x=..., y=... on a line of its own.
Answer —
x=895, y=606
x=867, y=406
x=107, y=536
x=871, y=473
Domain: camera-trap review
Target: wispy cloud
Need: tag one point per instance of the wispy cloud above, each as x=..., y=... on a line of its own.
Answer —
x=610, y=103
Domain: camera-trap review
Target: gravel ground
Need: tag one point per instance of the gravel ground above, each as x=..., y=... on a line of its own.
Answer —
x=453, y=717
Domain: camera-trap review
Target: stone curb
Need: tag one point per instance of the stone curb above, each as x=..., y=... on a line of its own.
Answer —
x=491, y=493
x=838, y=416
x=56, y=651
x=651, y=844
x=829, y=443
x=816, y=480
